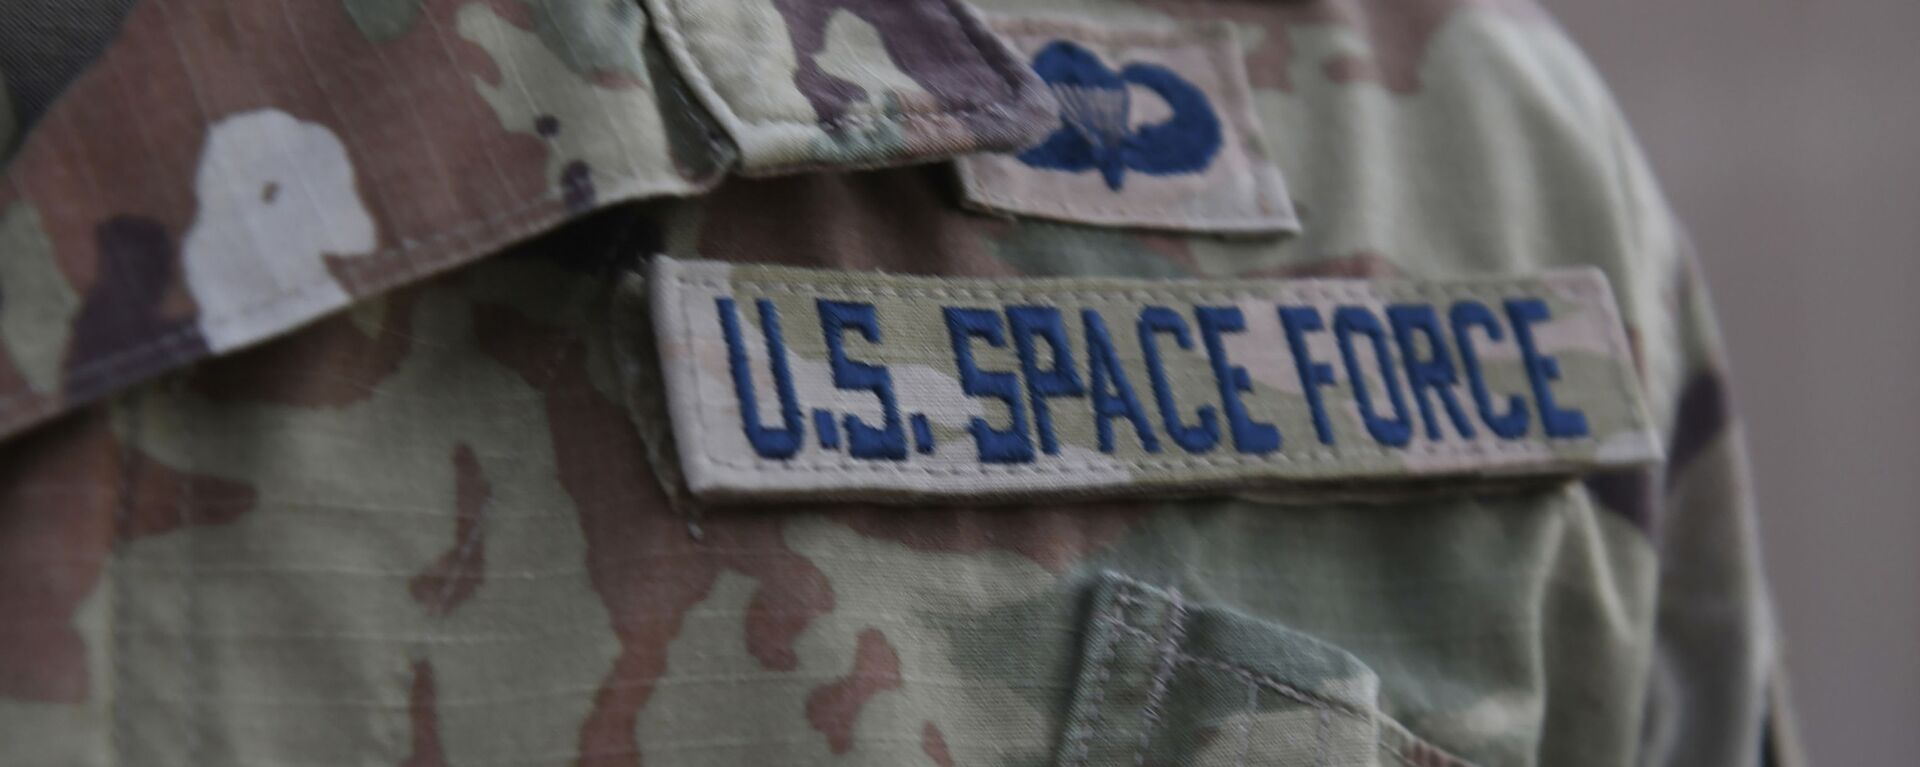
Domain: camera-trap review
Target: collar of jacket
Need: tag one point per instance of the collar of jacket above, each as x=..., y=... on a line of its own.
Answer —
x=223, y=172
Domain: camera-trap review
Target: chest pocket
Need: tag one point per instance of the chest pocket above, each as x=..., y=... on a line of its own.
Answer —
x=1165, y=682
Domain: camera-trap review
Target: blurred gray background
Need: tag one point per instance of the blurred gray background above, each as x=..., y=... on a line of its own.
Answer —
x=1787, y=134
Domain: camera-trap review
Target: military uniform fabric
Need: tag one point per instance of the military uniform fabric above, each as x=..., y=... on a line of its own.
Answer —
x=334, y=431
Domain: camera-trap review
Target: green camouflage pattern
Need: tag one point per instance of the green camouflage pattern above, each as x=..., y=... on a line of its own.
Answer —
x=1582, y=340
x=852, y=83
x=427, y=524
x=227, y=171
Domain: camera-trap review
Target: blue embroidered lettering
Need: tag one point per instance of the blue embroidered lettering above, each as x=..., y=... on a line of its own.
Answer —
x=863, y=441
x=922, y=434
x=1195, y=439
x=769, y=443
x=1351, y=320
x=1096, y=131
x=824, y=427
x=1464, y=316
x=1298, y=321
x=1028, y=323
x=1249, y=436
x=1113, y=395
x=1542, y=369
x=1432, y=374
x=1011, y=445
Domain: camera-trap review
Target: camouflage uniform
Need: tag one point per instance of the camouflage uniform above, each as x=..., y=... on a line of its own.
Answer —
x=335, y=431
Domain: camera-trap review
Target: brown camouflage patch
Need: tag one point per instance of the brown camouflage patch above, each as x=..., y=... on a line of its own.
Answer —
x=423, y=719
x=1704, y=413
x=833, y=708
x=1631, y=493
x=648, y=571
x=455, y=576
x=67, y=495
x=859, y=221
x=117, y=163
x=124, y=307
x=934, y=745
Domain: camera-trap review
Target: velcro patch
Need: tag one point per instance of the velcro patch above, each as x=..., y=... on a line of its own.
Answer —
x=1155, y=129
x=786, y=382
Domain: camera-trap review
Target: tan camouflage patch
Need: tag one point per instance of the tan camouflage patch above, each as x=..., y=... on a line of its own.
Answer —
x=226, y=171
x=37, y=304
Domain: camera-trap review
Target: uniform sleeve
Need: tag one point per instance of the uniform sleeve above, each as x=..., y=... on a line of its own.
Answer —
x=1716, y=697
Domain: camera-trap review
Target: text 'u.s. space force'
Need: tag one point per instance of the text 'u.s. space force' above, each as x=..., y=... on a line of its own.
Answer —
x=1403, y=367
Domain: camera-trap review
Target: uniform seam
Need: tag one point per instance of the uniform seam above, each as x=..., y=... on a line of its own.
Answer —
x=1104, y=663
x=153, y=349
x=1246, y=724
x=981, y=178
x=1324, y=731
x=1389, y=733
x=1402, y=739
x=982, y=173
x=696, y=61
x=1265, y=680
x=1313, y=287
x=1173, y=633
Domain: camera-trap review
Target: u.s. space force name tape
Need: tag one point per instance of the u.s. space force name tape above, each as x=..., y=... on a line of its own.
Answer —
x=802, y=383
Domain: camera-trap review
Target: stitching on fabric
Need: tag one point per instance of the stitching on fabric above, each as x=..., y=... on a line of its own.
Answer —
x=543, y=694
x=556, y=630
x=1320, y=747
x=1269, y=682
x=670, y=22
x=1056, y=466
x=1246, y=724
x=650, y=409
x=1327, y=289
x=1324, y=290
x=1173, y=633
x=106, y=366
x=1404, y=740
x=1109, y=656
x=1390, y=734
x=1147, y=215
x=687, y=101
x=626, y=186
x=984, y=174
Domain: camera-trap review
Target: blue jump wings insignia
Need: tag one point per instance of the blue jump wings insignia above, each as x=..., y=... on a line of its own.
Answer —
x=1095, y=107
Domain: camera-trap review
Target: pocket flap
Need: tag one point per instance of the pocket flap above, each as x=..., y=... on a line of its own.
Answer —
x=1163, y=681
x=834, y=84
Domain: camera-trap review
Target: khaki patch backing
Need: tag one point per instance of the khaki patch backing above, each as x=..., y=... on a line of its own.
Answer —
x=1238, y=191
x=793, y=383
